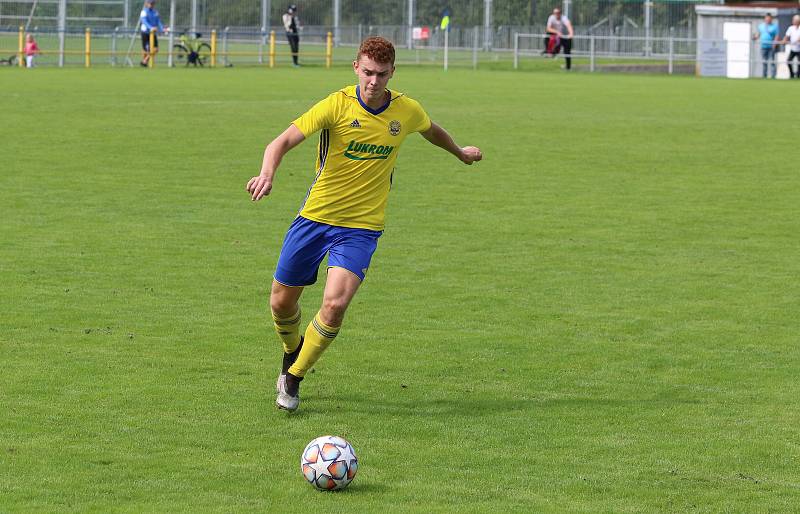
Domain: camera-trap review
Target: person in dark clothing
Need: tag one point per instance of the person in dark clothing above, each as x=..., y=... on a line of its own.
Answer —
x=292, y=25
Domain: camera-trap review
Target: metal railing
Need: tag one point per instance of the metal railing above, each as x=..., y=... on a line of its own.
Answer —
x=669, y=51
x=235, y=46
x=122, y=48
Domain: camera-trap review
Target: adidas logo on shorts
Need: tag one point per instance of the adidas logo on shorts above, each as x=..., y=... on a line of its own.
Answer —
x=355, y=124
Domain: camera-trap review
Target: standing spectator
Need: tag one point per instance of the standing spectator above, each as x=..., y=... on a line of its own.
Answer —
x=768, y=35
x=31, y=50
x=292, y=24
x=793, y=38
x=148, y=21
x=560, y=33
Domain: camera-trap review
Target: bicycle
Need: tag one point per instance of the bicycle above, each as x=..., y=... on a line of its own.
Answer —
x=11, y=61
x=191, y=50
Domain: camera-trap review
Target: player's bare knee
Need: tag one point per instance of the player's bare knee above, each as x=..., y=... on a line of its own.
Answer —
x=282, y=304
x=278, y=306
x=332, y=312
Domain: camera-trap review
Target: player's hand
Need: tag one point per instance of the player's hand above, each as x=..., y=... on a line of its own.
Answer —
x=470, y=154
x=259, y=187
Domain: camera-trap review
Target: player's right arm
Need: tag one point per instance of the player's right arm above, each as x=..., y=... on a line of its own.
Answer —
x=320, y=116
x=261, y=185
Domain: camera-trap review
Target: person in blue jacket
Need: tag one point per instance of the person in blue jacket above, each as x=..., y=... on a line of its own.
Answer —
x=148, y=21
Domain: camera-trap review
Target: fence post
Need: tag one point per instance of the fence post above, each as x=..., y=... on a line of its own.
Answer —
x=21, y=47
x=88, y=62
x=329, y=50
x=337, y=9
x=410, y=34
x=648, y=23
x=671, y=51
x=225, y=46
x=475, y=35
x=446, y=44
x=114, y=46
x=261, y=47
x=591, y=53
x=271, y=48
x=62, y=31
x=213, y=47
x=266, y=6
x=516, y=50
x=170, y=61
x=487, y=25
x=151, y=62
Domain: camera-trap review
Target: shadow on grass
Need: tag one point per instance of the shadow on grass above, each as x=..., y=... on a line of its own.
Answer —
x=365, y=488
x=470, y=405
x=339, y=404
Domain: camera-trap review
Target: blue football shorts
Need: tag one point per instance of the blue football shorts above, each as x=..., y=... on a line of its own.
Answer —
x=307, y=242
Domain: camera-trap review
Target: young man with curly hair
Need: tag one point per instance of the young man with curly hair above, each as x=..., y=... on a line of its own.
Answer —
x=361, y=129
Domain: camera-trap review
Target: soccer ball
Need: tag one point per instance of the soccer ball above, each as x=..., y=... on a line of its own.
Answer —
x=329, y=463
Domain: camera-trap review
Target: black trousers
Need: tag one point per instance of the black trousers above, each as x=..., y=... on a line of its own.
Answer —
x=294, y=42
x=794, y=70
x=566, y=45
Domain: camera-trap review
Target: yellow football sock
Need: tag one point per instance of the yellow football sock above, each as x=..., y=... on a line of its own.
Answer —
x=317, y=338
x=288, y=330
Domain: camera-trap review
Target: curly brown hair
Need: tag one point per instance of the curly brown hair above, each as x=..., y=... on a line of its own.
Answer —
x=378, y=49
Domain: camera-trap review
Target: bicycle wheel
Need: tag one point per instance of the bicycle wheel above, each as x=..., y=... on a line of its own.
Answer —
x=203, y=54
x=180, y=54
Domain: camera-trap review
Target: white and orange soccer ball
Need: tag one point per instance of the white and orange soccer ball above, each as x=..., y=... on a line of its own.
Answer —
x=329, y=463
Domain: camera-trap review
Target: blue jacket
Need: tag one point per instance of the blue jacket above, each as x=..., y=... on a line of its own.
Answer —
x=150, y=20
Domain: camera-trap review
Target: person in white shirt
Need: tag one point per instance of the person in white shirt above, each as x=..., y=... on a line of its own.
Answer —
x=793, y=38
x=560, y=33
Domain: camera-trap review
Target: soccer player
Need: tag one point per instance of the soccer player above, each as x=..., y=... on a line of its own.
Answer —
x=361, y=129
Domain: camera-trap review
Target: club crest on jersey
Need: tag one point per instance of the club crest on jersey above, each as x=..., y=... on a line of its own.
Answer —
x=394, y=127
x=355, y=124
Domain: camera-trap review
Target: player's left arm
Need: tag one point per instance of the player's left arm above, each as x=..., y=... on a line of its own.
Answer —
x=439, y=136
x=570, y=31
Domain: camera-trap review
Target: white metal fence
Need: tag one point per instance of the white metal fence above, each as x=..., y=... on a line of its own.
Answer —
x=498, y=19
x=462, y=48
x=654, y=54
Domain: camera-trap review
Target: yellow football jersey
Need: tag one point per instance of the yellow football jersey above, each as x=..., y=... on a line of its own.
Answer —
x=357, y=151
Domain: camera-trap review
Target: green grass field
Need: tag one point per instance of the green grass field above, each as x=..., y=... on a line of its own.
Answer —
x=599, y=317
